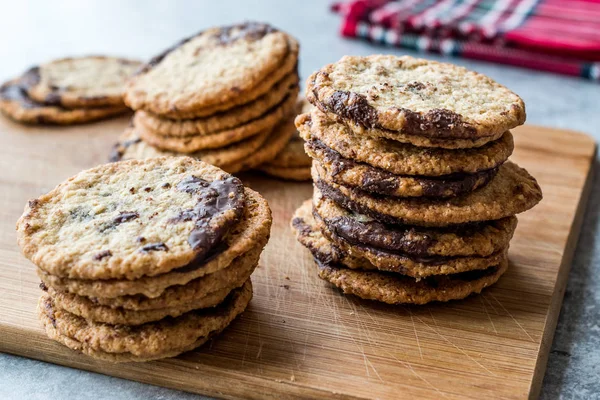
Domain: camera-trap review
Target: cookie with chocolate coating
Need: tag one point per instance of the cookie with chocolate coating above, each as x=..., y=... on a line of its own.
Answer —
x=16, y=104
x=311, y=235
x=221, y=65
x=132, y=218
x=347, y=228
x=399, y=158
x=511, y=192
x=161, y=339
x=415, y=100
x=251, y=233
x=376, y=180
x=80, y=82
x=398, y=289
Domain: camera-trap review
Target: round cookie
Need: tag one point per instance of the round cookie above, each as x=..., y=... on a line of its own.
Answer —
x=397, y=289
x=511, y=192
x=215, y=66
x=399, y=158
x=191, y=144
x=131, y=147
x=406, y=97
x=288, y=66
x=310, y=235
x=251, y=233
x=80, y=82
x=225, y=120
x=291, y=174
x=375, y=180
x=205, y=292
x=16, y=104
x=132, y=218
x=347, y=228
x=120, y=343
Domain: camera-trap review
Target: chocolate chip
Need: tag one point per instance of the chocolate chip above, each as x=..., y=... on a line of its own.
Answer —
x=192, y=185
x=414, y=86
x=154, y=247
x=140, y=239
x=43, y=286
x=132, y=190
x=183, y=216
x=147, y=189
x=102, y=255
x=125, y=216
x=166, y=185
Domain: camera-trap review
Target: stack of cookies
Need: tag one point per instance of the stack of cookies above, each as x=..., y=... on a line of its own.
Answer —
x=226, y=96
x=144, y=259
x=68, y=91
x=414, y=199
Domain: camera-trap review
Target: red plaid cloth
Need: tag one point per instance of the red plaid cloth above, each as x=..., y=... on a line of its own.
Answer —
x=561, y=36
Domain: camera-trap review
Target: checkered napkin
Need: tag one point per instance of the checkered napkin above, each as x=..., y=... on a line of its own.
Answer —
x=561, y=36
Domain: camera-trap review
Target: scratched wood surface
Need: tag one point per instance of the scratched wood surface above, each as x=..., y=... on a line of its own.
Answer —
x=300, y=337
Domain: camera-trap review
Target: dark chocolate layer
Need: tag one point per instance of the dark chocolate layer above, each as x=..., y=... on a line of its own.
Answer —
x=377, y=180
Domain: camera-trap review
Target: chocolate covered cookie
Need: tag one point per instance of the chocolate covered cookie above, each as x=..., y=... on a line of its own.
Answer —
x=399, y=158
x=16, y=104
x=80, y=82
x=416, y=101
x=356, y=276
x=512, y=191
x=132, y=218
x=349, y=229
x=251, y=232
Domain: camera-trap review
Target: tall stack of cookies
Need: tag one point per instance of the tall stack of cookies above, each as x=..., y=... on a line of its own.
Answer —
x=68, y=91
x=414, y=199
x=144, y=259
x=226, y=96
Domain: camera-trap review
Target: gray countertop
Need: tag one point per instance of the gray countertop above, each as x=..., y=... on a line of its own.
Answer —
x=35, y=31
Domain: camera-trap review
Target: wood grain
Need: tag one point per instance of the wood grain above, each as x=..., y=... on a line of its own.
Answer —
x=300, y=337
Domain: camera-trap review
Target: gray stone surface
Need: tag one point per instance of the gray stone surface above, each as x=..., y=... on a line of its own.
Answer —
x=35, y=31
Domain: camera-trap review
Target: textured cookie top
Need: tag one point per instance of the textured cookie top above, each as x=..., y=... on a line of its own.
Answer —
x=214, y=66
x=131, y=218
x=415, y=96
x=92, y=81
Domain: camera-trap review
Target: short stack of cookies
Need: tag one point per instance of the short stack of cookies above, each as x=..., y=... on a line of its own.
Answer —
x=414, y=199
x=144, y=259
x=226, y=96
x=68, y=91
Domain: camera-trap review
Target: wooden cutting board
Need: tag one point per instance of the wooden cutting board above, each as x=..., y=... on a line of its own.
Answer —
x=302, y=338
